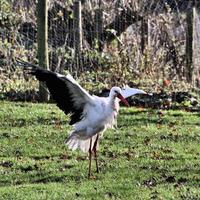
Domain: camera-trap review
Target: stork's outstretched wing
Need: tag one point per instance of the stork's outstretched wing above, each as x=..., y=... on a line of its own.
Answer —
x=128, y=92
x=68, y=94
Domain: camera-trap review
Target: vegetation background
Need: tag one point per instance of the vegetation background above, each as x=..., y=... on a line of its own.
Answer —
x=148, y=44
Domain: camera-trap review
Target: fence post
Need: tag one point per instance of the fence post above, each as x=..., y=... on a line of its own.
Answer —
x=196, y=46
x=144, y=33
x=189, y=44
x=42, y=37
x=99, y=27
x=77, y=35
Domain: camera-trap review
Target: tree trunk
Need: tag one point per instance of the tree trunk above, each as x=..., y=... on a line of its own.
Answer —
x=42, y=37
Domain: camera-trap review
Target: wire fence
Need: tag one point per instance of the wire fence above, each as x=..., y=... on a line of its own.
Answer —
x=147, y=39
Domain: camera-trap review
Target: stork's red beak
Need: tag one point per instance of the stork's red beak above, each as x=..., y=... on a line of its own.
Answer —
x=123, y=99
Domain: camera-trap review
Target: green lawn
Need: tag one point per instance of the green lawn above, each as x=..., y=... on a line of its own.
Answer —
x=145, y=158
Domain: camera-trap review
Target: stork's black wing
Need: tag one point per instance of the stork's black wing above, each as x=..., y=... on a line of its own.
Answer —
x=67, y=93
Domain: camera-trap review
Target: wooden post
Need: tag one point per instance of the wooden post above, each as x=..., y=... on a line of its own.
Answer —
x=144, y=34
x=99, y=27
x=42, y=37
x=78, y=37
x=189, y=44
x=196, y=48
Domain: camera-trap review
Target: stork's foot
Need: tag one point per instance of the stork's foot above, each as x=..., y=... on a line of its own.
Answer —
x=97, y=169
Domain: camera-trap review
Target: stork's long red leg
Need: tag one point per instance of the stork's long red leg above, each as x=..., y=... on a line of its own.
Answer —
x=90, y=158
x=95, y=153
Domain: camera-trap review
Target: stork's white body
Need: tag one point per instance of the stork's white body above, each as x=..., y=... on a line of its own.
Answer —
x=97, y=117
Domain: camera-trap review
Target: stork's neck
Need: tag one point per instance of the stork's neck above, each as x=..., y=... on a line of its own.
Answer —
x=113, y=103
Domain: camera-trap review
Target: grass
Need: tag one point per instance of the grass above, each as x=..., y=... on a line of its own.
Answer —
x=145, y=158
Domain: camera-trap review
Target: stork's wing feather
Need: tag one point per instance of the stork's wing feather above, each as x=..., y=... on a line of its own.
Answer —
x=67, y=93
x=79, y=95
x=128, y=92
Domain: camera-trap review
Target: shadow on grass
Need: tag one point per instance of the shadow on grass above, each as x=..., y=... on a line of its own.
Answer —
x=21, y=122
x=35, y=179
x=135, y=112
x=49, y=178
x=142, y=121
x=35, y=176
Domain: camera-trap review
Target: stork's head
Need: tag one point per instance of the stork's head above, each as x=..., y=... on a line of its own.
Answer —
x=115, y=92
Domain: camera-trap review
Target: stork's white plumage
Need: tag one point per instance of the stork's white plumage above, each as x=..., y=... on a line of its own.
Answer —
x=90, y=115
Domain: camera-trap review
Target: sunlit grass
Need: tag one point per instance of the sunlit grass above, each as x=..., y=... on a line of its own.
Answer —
x=145, y=158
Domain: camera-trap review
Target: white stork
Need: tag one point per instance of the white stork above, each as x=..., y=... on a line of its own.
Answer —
x=90, y=115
